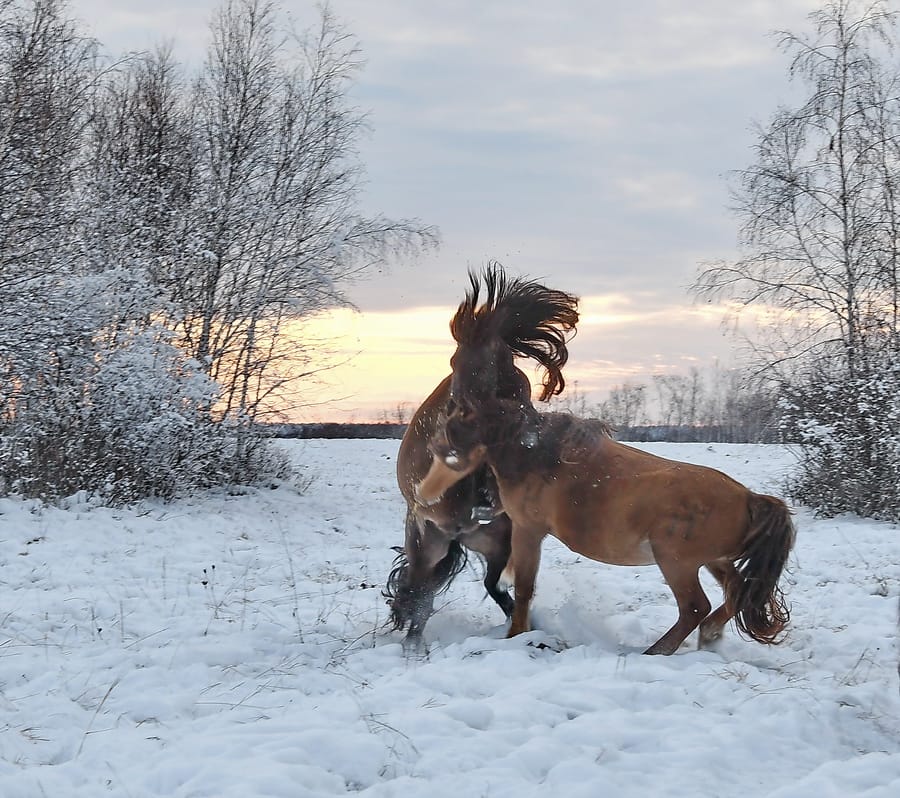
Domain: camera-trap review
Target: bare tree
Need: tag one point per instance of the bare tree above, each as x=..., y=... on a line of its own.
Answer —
x=47, y=76
x=158, y=234
x=276, y=198
x=46, y=80
x=400, y=414
x=818, y=206
x=573, y=400
x=142, y=182
x=239, y=195
x=738, y=408
x=680, y=397
x=624, y=407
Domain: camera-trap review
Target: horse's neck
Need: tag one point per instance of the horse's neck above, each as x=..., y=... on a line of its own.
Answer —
x=512, y=454
x=513, y=384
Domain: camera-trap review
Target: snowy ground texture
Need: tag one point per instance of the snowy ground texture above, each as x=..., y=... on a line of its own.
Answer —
x=234, y=646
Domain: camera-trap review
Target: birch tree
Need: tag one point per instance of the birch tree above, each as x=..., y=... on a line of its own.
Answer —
x=278, y=185
x=820, y=236
x=47, y=73
x=158, y=233
x=240, y=194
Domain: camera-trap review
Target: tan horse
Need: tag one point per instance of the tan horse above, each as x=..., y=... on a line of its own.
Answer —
x=567, y=477
x=532, y=321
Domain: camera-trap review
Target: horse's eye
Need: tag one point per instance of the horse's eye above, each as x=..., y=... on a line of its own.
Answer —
x=467, y=414
x=450, y=432
x=451, y=406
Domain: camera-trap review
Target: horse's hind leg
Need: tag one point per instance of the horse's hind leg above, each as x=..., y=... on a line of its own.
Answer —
x=712, y=626
x=492, y=541
x=493, y=571
x=693, y=605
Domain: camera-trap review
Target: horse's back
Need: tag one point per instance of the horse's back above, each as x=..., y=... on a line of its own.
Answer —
x=624, y=506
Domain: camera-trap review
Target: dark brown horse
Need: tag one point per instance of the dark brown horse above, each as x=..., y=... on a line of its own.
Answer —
x=534, y=322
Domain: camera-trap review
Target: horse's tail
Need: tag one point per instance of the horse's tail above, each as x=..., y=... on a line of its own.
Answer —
x=759, y=607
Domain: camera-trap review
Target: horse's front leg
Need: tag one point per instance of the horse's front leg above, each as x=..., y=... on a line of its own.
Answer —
x=493, y=542
x=426, y=549
x=526, y=558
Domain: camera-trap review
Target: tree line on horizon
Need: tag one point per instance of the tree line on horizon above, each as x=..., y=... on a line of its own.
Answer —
x=709, y=405
x=713, y=404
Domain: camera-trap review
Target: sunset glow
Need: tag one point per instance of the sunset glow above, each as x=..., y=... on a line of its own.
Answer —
x=384, y=361
x=379, y=361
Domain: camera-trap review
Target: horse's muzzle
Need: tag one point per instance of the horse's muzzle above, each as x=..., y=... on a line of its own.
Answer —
x=423, y=501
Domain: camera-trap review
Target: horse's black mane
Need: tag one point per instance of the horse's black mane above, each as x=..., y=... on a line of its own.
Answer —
x=567, y=435
x=532, y=320
x=527, y=440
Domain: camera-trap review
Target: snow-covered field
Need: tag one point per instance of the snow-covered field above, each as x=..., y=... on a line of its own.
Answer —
x=234, y=646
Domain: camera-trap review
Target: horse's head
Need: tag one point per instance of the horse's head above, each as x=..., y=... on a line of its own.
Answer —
x=409, y=601
x=484, y=371
x=456, y=451
x=517, y=318
x=473, y=434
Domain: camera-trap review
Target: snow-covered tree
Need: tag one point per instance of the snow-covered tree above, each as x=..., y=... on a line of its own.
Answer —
x=821, y=236
x=240, y=189
x=850, y=428
x=158, y=232
x=47, y=74
x=276, y=227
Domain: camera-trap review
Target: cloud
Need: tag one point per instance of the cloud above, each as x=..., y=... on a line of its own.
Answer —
x=132, y=25
x=583, y=142
x=661, y=190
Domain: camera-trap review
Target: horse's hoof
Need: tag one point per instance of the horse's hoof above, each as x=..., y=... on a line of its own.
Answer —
x=515, y=631
x=708, y=639
x=657, y=649
x=414, y=647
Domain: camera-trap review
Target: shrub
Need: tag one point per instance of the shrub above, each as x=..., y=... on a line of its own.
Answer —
x=850, y=430
x=137, y=423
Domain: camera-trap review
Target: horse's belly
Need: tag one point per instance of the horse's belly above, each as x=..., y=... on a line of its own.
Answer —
x=641, y=554
x=608, y=548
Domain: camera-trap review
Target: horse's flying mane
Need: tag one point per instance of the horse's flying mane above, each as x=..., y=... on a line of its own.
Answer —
x=532, y=320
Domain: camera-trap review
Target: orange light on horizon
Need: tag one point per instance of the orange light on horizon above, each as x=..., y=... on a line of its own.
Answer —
x=379, y=361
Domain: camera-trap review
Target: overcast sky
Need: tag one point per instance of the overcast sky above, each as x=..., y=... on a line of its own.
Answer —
x=586, y=143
